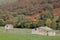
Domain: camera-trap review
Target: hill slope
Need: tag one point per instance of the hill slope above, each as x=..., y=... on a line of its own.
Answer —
x=28, y=7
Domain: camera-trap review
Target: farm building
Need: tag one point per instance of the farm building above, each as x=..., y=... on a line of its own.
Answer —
x=44, y=31
x=9, y=26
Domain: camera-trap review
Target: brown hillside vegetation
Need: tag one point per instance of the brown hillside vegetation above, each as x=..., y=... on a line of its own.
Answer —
x=57, y=11
x=29, y=7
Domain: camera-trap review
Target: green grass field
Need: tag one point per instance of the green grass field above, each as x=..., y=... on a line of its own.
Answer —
x=15, y=36
x=2, y=28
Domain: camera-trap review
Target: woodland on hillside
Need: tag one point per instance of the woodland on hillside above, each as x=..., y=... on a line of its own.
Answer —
x=30, y=14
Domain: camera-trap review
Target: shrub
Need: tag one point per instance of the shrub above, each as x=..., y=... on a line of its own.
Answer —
x=2, y=22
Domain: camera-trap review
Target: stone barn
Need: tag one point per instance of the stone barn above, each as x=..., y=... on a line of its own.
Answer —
x=9, y=26
x=44, y=31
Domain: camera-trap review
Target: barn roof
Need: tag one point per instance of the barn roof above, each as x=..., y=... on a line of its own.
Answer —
x=46, y=28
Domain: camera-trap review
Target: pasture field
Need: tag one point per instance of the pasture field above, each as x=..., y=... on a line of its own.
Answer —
x=17, y=36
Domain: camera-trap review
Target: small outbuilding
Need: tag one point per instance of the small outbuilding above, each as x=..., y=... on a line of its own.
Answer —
x=8, y=26
x=44, y=31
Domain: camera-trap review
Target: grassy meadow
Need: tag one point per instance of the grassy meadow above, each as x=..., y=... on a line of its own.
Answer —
x=17, y=36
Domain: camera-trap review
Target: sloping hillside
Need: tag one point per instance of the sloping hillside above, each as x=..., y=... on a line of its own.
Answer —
x=28, y=7
x=32, y=13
